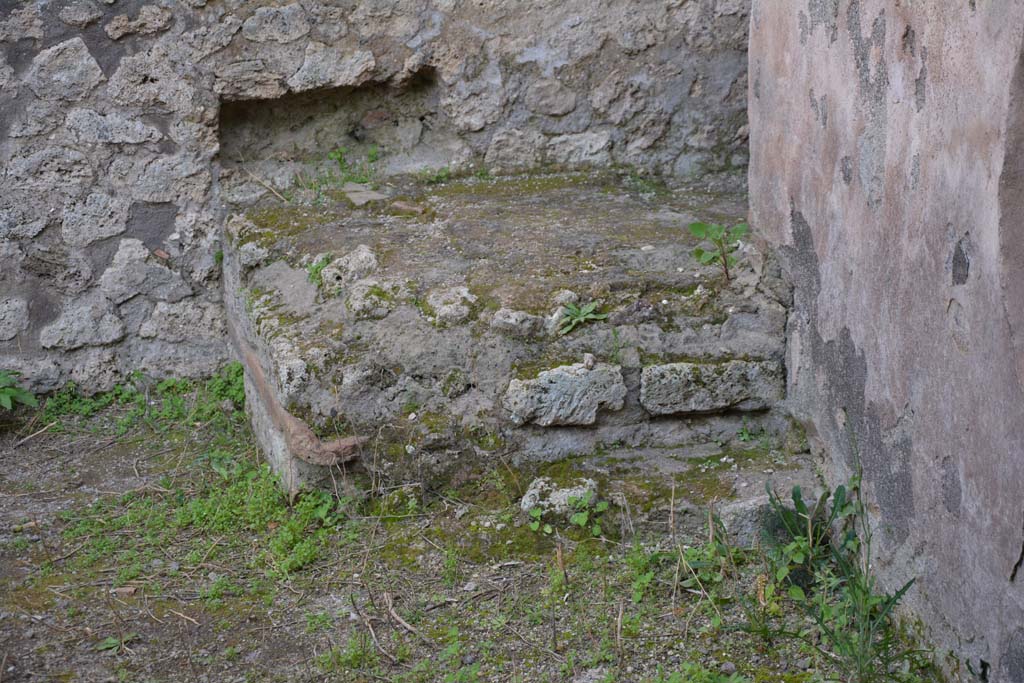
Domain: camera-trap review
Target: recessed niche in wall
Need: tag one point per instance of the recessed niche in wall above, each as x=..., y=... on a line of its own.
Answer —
x=375, y=129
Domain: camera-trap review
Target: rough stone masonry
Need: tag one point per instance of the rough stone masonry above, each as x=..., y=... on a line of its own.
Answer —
x=113, y=114
x=887, y=155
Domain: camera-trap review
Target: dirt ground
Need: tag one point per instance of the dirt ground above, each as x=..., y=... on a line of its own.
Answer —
x=141, y=540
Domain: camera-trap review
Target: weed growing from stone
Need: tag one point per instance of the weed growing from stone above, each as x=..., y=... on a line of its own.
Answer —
x=826, y=563
x=323, y=184
x=724, y=240
x=11, y=394
x=574, y=316
x=745, y=434
x=537, y=523
x=585, y=516
x=435, y=176
x=314, y=270
x=361, y=172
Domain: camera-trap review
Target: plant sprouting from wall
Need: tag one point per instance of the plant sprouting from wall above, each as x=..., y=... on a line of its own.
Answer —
x=724, y=243
x=575, y=316
x=826, y=561
x=12, y=394
x=315, y=269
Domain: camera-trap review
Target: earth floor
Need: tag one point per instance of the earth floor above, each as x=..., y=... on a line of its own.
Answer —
x=141, y=539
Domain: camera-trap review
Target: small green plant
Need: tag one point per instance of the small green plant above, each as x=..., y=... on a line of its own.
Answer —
x=317, y=621
x=725, y=241
x=808, y=530
x=745, y=434
x=538, y=524
x=355, y=171
x=116, y=644
x=762, y=608
x=315, y=270
x=450, y=570
x=11, y=393
x=585, y=516
x=436, y=176
x=575, y=316
x=695, y=673
x=643, y=566
x=357, y=655
x=853, y=617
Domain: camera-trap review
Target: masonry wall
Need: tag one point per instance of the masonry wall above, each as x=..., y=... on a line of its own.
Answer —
x=112, y=187
x=887, y=157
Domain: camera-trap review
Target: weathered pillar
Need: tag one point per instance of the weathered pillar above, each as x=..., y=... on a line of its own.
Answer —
x=887, y=155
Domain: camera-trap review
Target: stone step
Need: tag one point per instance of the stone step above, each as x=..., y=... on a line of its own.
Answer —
x=665, y=489
x=432, y=318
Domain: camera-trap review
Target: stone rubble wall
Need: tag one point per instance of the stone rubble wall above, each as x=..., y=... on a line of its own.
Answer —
x=887, y=157
x=110, y=118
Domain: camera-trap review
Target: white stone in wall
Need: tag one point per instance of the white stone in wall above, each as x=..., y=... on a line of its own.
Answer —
x=24, y=22
x=6, y=74
x=549, y=96
x=581, y=149
x=96, y=217
x=276, y=24
x=66, y=71
x=51, y=170
x=372, y=298
x=621, y=96
x=566, y=395
x=17, y=222
x=13, y=318
x=80, y=13
x=175, y=178
x=710, y=387
x=331, y=66
x=88, y=321
x=91, y=126
x=185, y=321
x=474, y=104
x=95, y=369
x=151, y=19
x=248, y=79
x=134, y=271
x=38, y=118
x=512, y=149
x=147, y=79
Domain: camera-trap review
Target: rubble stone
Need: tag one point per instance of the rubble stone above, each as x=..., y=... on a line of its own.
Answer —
x=566, y=395
x=710, y=387
x=66, y=71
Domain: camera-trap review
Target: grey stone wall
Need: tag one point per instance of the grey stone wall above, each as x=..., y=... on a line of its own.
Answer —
x=887, y=157
x=112, y=115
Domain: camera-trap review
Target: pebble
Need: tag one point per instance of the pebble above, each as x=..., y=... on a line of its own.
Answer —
x=728, y=668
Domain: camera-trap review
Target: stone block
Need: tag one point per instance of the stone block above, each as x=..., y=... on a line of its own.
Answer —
x=710, y=387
